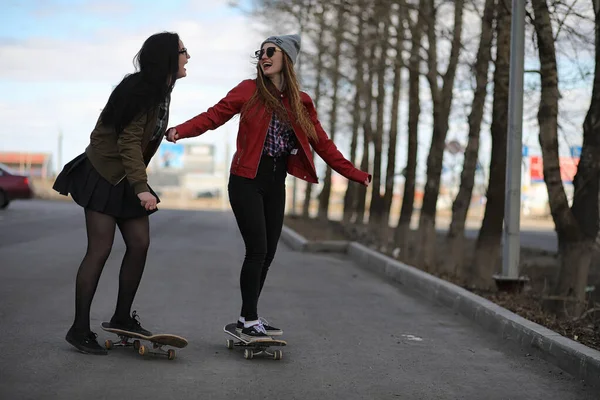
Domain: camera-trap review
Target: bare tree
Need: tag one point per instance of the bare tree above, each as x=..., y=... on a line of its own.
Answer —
x=350, y=198
x=382, y=26
x=576, y=228
x=460, y=207
x=321, y=46
x=333, y=118
x=414, y=110
x=442, y=103
x=367, y=96
x=390, y=173
x=490, y=235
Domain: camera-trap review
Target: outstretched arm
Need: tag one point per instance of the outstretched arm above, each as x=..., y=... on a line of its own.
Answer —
x=329, y=152
x=215, y=116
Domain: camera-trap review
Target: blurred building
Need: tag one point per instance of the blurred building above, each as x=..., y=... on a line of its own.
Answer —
x=35, y=165
x=188, y=170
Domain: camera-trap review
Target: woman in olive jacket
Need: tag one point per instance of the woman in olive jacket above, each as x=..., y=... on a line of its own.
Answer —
x=109, y=181
x=278, y=127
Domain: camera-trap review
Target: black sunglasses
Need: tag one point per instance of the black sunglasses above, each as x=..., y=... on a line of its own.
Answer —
x=183, y=51
x=270, y=52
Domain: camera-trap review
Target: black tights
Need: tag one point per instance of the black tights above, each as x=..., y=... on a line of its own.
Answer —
x=258, y=205
x=101, y=233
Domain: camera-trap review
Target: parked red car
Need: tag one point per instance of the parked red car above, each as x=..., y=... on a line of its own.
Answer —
x=13, y=186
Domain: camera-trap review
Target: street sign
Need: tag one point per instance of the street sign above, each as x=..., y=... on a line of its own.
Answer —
x=567, y=165
x=575, y=151
x=536, y=169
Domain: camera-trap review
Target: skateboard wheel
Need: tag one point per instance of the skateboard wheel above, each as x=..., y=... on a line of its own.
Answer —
x=248, y=354
x=108, y=344
x=142, y=350
x=277, y=355
x=229, y=344
x=171, y=354
x=136, y=345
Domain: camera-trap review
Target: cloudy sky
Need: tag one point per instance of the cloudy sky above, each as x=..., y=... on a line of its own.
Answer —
x=61, y=58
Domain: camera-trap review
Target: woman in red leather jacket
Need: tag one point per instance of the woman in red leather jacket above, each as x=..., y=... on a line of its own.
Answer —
x=278, y=126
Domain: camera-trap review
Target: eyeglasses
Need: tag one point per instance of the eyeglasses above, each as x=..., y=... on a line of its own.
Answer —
x=270, y=52
x=183, y=51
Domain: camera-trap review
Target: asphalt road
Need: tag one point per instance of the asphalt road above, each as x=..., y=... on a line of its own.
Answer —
x=535, y=234
x=351, y=335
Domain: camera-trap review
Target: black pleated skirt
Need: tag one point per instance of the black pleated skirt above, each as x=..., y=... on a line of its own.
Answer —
x=91, y=191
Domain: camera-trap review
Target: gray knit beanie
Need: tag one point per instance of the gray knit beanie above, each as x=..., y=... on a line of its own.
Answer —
x=290, y=44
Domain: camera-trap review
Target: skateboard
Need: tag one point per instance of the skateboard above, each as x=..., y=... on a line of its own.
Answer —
x=157, y=341
x=253, y=348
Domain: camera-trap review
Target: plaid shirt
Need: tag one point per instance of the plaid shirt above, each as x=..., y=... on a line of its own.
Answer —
x=280, y=139
x=161, y=121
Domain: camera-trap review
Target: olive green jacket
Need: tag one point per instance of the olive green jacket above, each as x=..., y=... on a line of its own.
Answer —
x=127, y=155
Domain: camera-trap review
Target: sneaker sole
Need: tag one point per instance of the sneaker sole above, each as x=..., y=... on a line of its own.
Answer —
x=124, y=332
x=254, y=339
x=275, y=333
x=85, y=351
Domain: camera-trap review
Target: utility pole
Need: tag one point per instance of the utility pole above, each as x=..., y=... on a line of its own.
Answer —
x=510, y=280
x=59, y=158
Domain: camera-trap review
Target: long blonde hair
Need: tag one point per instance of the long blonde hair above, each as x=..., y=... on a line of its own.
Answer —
x=265, y=93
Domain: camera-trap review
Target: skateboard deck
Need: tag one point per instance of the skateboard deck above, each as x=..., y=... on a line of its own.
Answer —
x=255, y=347
x=157, y=341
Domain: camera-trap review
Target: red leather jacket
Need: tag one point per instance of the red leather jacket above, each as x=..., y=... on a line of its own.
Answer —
x=253, y=132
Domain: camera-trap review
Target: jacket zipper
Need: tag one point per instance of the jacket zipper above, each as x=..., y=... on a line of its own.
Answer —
x=301, y=145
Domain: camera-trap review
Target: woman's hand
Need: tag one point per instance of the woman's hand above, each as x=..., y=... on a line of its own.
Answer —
x=172, y=135
x=367, y=181
x=147, y=200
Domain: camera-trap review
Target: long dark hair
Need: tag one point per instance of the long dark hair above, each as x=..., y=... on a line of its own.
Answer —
x=156, y=64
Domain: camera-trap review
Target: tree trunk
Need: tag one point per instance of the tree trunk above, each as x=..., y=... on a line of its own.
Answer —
x=319, y=78
x=367, y=95
x=335, y=78
x=393, y=135
x=576, y=228
x=401, y=235
x=376, y=209
x=489, y=240
x=350, y=196
x=456, y=234
x=442, y=102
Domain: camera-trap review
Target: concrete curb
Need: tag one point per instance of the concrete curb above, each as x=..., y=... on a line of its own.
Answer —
x=292, y=239
x=299, y=243
x=574, y=358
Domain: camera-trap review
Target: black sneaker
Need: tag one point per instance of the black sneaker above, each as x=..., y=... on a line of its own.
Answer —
x=132, y=324
x=256, y=333
x=85, y=342
x=271, y=330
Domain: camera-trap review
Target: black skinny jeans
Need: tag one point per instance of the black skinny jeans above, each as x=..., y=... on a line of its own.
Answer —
x=258, y=205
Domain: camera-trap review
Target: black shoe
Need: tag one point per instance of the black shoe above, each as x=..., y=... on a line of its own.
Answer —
x=271, y=330
x=132, y=324
x=256, y=333
x=85, y=342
